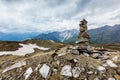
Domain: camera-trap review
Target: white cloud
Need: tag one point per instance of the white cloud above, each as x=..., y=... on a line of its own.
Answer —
x=51, y=15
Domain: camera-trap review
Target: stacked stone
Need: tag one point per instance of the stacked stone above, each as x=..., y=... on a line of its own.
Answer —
x=83, y=35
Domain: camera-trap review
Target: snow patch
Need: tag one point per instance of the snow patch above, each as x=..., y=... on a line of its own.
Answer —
x=25, y=49
x=16, y=65
x=44, y=70
x=28, y=72
x=66, y=71
x=110, y=63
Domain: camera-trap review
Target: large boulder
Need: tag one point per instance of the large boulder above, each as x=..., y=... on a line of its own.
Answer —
x=44, y=70
x=66, y=71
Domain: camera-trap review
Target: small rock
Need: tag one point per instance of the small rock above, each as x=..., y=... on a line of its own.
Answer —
x=83, y=69
x=95, y=55
x=104, y=65
x=111, y=78
x=91, y=66
x=105, y=57
x=75, y=60
x=44, y=70
x=38, y=66
x=86, y=54
x=61, y=54
x=111, y=64
x=0, y=78
x=76, y=72
x=115, y=58
x=85, y=79
x=96, y=78
x=66, y=71
x=101, y=69
x=58, y=62
x=55, y=70
x=89, y=48
x=28, y=73
x=90, y=72
x=74, y=51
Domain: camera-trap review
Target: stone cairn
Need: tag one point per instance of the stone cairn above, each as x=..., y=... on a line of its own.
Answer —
x=83, y=43
x=83, y=35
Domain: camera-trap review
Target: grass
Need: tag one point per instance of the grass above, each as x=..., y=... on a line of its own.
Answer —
x=113, y=46
x=9, y=45
x=12, y=45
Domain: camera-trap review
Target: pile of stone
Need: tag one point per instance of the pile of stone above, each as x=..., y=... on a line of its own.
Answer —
x=83, y=35
x=83, y=44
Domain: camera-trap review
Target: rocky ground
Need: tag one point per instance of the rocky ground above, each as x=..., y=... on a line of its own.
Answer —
x=64, y=63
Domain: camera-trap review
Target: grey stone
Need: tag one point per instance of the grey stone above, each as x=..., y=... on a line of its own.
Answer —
x=74, y=51
x=96, y=78
x=95, y=55
x=86, y=54
x=76, y=72
x=101, y=69
x=111, y=78
x=0, y=78
x=90, y=72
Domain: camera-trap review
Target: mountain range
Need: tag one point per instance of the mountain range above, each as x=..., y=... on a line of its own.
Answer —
x=105, y=34
x=17, y=36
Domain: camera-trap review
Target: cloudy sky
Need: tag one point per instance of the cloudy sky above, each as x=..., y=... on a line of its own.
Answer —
x=52, y=15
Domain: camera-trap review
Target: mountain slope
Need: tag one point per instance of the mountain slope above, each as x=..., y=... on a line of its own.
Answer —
x=105, y=34
x=63, y=36
x=17, y=36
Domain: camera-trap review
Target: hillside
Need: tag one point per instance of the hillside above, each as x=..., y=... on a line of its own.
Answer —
x=60, y=63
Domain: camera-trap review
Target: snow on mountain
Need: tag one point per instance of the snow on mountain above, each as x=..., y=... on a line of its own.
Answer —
x=65, y=35
x=58, y=36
